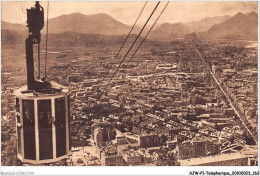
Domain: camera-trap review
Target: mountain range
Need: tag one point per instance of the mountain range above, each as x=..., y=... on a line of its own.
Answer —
x=88, y=24
x=179, y=30
x=239, y=26
x=206, y=23
x=169, y=31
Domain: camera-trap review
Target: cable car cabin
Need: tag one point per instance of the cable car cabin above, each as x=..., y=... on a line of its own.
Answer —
x=43, y=124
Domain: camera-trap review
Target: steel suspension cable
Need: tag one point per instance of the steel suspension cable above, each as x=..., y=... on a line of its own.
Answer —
x=112, y=63
x=46, y=47
x=144, y=38
x=130, y=48
x=73, y=35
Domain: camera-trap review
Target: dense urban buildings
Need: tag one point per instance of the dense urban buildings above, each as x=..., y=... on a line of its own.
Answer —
x=164, y=108
x=188, y=97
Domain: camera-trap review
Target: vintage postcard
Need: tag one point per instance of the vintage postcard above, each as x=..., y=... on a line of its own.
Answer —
x=129, y=83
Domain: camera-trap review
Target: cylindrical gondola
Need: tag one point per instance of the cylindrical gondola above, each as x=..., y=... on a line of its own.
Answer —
x=43, y=125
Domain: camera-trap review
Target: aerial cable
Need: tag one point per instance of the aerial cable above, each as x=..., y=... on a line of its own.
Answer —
x=112, y=63
x=22, y=8
x=46, y=47
x=74, y=34
x=144, y=38
x=130, y=48
x=39, y=62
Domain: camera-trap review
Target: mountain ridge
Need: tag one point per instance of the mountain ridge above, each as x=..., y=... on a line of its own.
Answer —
x=242, y=26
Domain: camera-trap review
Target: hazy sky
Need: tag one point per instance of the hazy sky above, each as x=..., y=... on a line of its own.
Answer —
x=127, y=12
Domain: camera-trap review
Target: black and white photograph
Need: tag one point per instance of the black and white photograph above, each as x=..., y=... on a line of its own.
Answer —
x=129, y=83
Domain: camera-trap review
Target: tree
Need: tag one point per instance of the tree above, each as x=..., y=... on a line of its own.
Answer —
x=167, y=159
x=79, y=161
